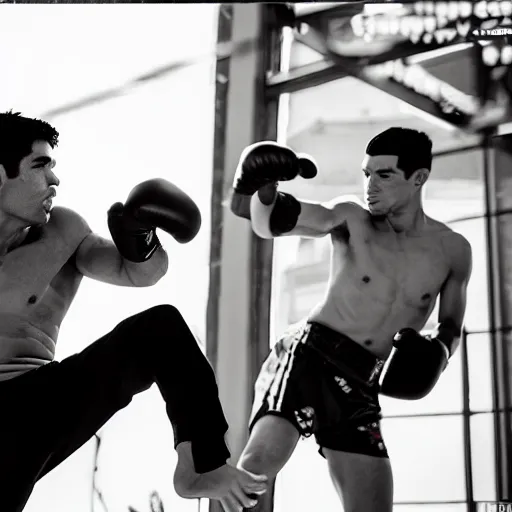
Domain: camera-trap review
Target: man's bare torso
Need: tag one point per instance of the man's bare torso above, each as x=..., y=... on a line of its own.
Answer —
x=38, y=281
x=381, y=281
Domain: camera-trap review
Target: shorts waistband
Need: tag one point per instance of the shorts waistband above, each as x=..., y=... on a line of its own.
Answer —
x=344, y=353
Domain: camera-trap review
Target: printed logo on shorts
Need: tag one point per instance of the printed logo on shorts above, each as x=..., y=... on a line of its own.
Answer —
x=374, y=434
x=305, y=419
x=376, y=371
x=342, y=383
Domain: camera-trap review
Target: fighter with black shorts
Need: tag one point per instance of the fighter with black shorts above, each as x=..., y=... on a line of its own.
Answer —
x=390, y=262
x=49, y=408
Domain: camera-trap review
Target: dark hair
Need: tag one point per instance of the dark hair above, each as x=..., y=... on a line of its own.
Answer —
x=413, y=148
x=17, y=135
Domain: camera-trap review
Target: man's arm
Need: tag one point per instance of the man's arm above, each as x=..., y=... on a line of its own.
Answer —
x=314, y=220
x=452, y=301
x=272, y=213
x=99, y=259
x=417, y=362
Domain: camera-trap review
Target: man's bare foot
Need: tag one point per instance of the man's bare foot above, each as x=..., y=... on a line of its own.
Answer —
x=237, y=485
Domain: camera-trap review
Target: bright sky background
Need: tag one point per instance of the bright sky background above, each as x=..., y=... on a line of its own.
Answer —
x=54, y=54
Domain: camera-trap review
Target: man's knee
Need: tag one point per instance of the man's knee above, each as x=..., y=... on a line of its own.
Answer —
x=271, y=444
x=163, y=313
x=262, y=461
x=258, y=461
x=161, y=321
x=163, y=326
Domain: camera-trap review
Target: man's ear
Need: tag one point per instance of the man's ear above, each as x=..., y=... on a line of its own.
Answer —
x=420, y=176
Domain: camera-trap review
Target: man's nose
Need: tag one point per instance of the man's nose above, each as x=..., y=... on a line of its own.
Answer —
x=371, y=186
x=53, y=180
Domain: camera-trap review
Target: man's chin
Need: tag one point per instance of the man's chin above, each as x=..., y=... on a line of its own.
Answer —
x=377, y=212
x=42, y=219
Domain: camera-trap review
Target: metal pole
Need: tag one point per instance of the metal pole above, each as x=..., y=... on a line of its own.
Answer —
x=466, y=417
x=497, y=349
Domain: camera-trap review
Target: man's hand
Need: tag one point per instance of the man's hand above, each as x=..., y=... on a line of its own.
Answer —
x=414, y=366
x=261, y=167
x=136, y=241
x=152, y=204
x=235, y=488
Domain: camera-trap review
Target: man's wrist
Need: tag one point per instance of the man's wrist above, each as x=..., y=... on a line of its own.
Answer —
x=444, y=347
x=149, y=271
x=268, y=194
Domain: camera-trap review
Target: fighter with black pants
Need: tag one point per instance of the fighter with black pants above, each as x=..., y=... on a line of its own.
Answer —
x=48, y=408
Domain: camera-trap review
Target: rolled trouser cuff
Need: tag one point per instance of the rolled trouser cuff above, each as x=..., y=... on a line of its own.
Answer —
x=209, y=453
x=209, y=449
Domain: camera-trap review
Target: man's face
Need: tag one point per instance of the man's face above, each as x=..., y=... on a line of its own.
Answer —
x=27, y=198
x=385, y=187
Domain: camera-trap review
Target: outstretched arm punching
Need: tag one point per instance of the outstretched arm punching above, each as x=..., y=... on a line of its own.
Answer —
x=274, y=213
x=287, y=216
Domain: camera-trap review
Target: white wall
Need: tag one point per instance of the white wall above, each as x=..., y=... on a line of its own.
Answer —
x=165, y=128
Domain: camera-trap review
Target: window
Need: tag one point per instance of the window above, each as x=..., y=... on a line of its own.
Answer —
x=480, y=372
x=301, y=55
x=427, y=454
x=477, y=309
x=483, y=457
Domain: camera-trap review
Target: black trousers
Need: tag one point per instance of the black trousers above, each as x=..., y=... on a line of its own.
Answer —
x=48, y=413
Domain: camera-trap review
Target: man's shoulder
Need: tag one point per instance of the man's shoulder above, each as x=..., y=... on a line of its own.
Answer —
x=452, y=239
x=456, y=246
x=68, y=223
x=460, y=249
x=348, y=205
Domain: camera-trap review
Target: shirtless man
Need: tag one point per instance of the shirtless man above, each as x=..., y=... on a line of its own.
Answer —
x=49, y=409
x=389, y=263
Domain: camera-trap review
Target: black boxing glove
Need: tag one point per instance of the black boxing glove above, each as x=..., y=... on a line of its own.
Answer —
x=414, y=365
x=135, y=241
x=268, y=162
x=152, y=204
x=284, y=215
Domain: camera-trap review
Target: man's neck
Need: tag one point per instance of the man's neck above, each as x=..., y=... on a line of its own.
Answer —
x=12, y=234
x=408, y=222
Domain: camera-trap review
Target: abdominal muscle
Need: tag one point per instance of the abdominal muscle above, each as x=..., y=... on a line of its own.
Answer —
x=369, y=314
x=24, y=346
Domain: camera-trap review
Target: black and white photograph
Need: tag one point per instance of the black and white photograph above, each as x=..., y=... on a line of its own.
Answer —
x=253, y=256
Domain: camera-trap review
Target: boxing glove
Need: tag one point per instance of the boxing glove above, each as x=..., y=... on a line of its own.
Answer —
x=155, y=203
x=414, y=366
x=268, y=162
